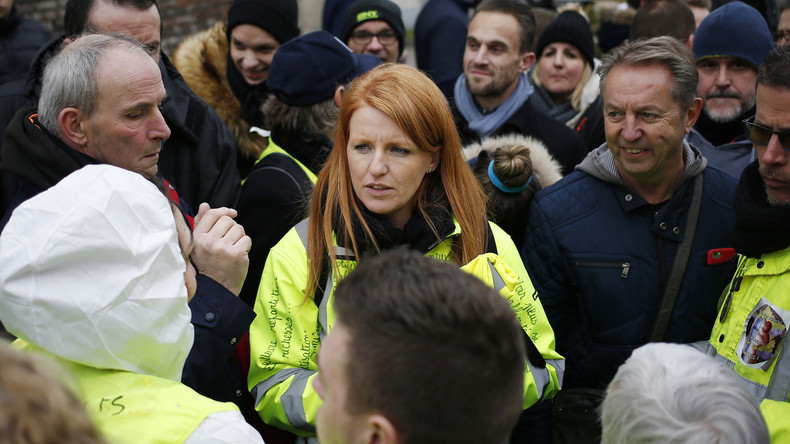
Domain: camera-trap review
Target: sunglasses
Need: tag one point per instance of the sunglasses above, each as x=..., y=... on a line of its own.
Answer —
x=760, y=135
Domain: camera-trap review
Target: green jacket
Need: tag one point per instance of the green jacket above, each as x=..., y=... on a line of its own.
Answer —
x=749, y=331
x=287, y=332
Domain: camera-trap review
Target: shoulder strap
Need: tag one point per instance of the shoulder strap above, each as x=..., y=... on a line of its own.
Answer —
x=289, y=165
x=679, y=265
x=320, y=289
x=490, y=240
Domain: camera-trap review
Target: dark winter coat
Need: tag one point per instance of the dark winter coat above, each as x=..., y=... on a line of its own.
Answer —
x=440, y=40
x=20, y=40
x=275, y=197
x=199, y=158
x=600, y=255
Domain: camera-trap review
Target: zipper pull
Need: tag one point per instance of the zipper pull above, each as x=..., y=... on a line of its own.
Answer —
x=626, y=266
x=736, y=285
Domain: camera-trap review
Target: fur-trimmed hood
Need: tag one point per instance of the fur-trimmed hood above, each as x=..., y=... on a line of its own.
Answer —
x=202, y=61
x=618, y=13
x=545, y=168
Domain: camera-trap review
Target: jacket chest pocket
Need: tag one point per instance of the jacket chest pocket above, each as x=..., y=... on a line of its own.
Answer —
x=623, y=266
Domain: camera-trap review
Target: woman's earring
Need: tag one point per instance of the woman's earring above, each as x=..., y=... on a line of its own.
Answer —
x=430, y=169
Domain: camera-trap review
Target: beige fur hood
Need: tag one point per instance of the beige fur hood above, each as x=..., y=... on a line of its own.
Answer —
x=202, y=61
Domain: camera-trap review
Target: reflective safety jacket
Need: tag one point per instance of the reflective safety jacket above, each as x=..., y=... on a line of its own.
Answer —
x=286, y=334
x=130, y=408
x=750, y=331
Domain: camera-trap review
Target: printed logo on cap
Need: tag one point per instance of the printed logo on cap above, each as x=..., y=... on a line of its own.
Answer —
x=367, y=15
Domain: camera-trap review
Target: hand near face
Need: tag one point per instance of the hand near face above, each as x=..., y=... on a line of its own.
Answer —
x=221, y=247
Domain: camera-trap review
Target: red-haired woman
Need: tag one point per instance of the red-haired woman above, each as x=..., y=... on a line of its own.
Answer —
x=396, y=176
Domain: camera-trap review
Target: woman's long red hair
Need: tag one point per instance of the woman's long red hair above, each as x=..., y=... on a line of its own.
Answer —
x=415, y=103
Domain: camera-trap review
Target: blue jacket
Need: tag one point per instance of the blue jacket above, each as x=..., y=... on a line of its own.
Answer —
x=731, y=157
x=599, y=256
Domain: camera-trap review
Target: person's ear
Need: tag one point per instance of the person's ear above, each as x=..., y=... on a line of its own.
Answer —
x=435, y=157
x=527, y=59
x=72, y=125
x=339, y=93
x=381, y=430
x=692, y=114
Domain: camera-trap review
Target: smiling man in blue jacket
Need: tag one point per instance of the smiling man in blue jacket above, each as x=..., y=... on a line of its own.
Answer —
x=602, y=244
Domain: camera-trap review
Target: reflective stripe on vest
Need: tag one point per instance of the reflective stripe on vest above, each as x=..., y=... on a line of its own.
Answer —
x=757, y=389
x=302, y=230
x=779, y=386
x=541, y=375
x=292, y=401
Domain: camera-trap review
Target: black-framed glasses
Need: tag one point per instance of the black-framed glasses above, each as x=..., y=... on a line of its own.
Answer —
x=364, y=37
x=761, y=135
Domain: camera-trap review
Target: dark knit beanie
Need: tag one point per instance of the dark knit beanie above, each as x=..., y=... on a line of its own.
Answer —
x=735, y=30
x=280, y=18
x=569, y=27
x=364, y=10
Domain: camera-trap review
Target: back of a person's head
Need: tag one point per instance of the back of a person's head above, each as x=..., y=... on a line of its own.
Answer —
x=673, y=393
x=511, y=169
x=304, y=76
x=34, y=408
x=775, y=71
x=96, y=259
x=434, y=326
x=663, y=17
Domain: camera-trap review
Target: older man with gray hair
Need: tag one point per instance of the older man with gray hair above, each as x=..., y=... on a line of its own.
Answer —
x=609, y=245
x=675, y=393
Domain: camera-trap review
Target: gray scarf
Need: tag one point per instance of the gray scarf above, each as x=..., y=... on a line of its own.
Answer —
x=485, y=125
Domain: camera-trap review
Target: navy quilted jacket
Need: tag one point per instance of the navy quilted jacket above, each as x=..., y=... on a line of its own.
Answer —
x=599, y=256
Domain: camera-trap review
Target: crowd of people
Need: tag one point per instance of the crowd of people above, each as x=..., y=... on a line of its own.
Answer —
x=530, y=237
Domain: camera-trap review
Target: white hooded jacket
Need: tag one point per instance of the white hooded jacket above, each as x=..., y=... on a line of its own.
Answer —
x=92, y=272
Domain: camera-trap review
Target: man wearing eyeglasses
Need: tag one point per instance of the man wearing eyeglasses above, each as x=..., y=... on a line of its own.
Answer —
x=729, y=45
x=374, y=27
x=754, y=317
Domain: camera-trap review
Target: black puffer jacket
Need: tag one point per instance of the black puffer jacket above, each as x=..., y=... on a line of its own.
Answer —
x=20, y=40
